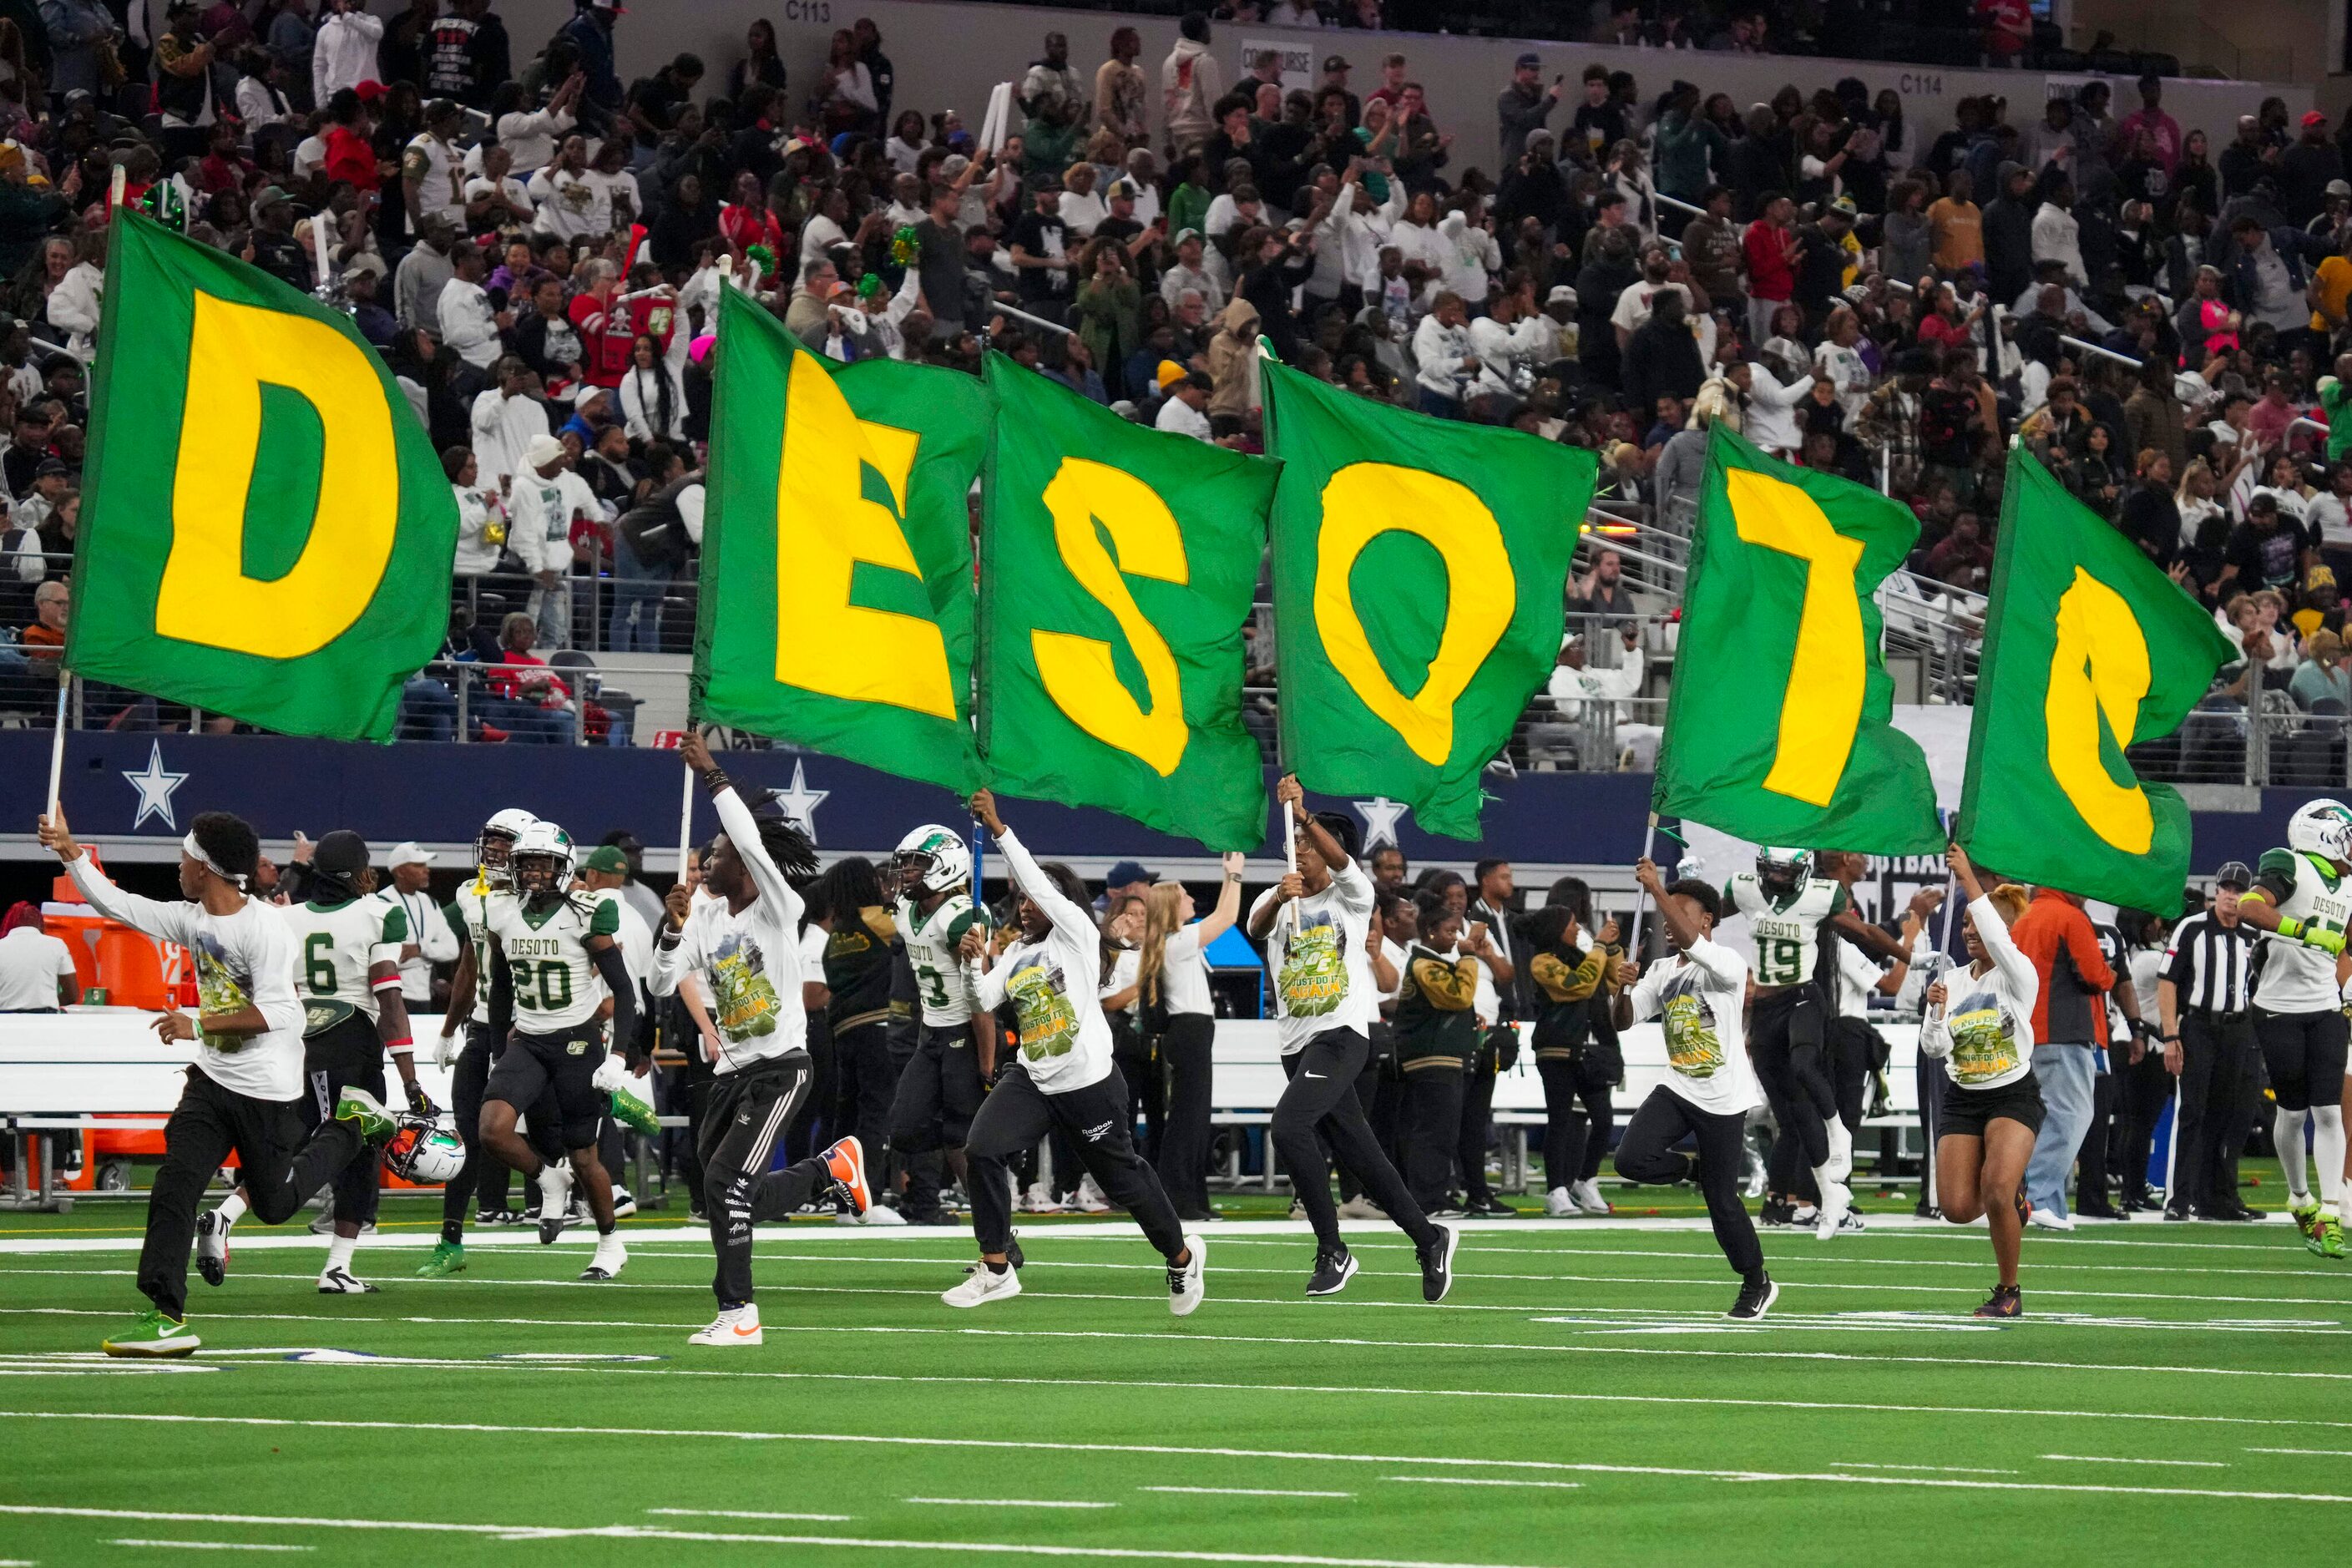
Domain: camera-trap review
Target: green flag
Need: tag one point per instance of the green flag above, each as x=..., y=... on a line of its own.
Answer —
x=1419, y=572
x=1778, y=725
x=1118, y=567
x=2088, y=648
x=837, y=606
x=267, y=531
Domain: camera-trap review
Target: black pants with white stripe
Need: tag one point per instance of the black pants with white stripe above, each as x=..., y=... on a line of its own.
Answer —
x=743, y=1115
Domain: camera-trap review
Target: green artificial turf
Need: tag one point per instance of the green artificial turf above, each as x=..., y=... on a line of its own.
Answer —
x=1578, y=1401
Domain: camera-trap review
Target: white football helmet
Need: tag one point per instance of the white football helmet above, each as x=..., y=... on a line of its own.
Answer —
x=932, y=859
x=1783, y=868
x=496, y=841
x=2322, y=827
x=426, y=1150
x=542, y=859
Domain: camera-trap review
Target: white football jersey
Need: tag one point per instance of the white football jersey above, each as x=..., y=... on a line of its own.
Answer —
x=556, y=986
x=334, y=946
x=2295, y=978
x=469, y=918
x=942, y=979
x=1788, y=929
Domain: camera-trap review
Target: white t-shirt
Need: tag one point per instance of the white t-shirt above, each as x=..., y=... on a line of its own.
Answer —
x=244, y=959
x=1054, y=983
x=1322, y=979
x=1184, y=973
x=1697, y=997
x=31, y=964
x=750, y=964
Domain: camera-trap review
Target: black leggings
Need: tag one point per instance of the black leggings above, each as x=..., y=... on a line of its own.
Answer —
x=1576, y=1104
x=1186, y=1050
x=1785, y=1041
x=1319, y=1103
x=1647, y=1154
x=1017, y=1113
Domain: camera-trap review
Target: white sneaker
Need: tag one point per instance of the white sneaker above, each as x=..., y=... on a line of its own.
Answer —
x=1586, y=1194
x=732, y=1326
x=1041, y=1200
x=344, y=1282
x=2048, y=1219
x=1841, y=1149
x=1837, y=1202
x=212, y=1246
x=1361, y=1207
x=625, y=1202
x=1560, y=1204
x=881, y=1213
x=1185, y=1284
x=609, y=1256
x=1851, y=1225
x=1089, y=1198
x=1804, y=1216
x=984, y=1284
x=554, y=1200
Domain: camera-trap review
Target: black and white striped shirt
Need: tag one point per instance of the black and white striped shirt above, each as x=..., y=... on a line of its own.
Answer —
x=2209, y=964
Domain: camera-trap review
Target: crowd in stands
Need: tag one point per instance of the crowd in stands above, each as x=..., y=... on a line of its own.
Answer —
x=537, y=249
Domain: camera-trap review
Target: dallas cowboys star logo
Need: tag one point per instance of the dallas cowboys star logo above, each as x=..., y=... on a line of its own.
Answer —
x=799, y=802
x=1379, y=815
x=155, y=785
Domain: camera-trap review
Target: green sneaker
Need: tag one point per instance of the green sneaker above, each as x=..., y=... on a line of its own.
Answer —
x=358, y=1105
x=2326, y=1238
x=448, y=1258
x=154, y=1334
x=2303, y=1214
x=629, y=1108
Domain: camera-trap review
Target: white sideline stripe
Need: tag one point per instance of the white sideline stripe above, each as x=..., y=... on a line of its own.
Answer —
x=1711, y=1284
x=752, y=1513
x=1231, y=1491
x=640, y=1533
x=1176, y=1450
x=2321, y=1453
x=1001, y=1502
x=1963, y=1362
x=1482, y=1482
x=209, y=1545
x=1940, y=1469
x=2119, y=1459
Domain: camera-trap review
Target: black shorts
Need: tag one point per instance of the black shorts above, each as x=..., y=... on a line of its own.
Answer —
x=564, y=1063
x=2304, y=1055
x=1966, y=1111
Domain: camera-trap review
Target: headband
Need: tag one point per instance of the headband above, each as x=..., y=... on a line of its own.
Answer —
x=196, y=851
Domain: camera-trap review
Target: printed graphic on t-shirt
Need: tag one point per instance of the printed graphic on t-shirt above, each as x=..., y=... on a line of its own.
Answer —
x=1313, y=978
x=1693, y=1048
x=1983, y=1045
x=1049, y=1025
x=218, y=991
x=740, y=985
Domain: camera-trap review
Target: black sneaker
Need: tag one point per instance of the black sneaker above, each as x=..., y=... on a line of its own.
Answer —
x=1491, y=1207
x=1332, y=1272
x=2182, y=1212
x=2004, y=1302
x=1775, y=1212
x=1756, y=1299
x=1437, y=1263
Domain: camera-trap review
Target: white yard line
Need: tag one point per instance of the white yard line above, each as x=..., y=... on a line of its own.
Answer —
x=752, y=1513
x=2120, y=1460
x=1241, y=1491
x=2319, y=1453
x=1483, y=1481
x=209, y=1545
x=1001, y=1502
x=1160, y=1450
x=1938, y=1470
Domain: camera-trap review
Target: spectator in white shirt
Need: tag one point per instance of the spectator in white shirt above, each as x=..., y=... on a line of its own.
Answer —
x=430, y=168
x=1185, y=410
x=531, y=135
x=481, y=514
x=1588, y=700
x=1445, y=361
x=506, y=420
x=2057, y=236
x=652, y=399
x=37, y=970
x=1190, y=273
x=494, y=199
x=343, y=55
x=467, y=324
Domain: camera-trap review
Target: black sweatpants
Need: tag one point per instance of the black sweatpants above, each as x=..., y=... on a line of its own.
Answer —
x=1319, y=1103
x=809, y=1129
x=280, y=1168
x=1186, y=1051
x=2143, y=1088
x=1786, y=1040
x=1370, y=1084
x=744, y=1113
x=1647, y=1154
x=865, y=1083
x=1430, y=1132
x=1475, y=1122
x=2218, y=1086
x=347, y=1055
x=939, y=1092
x=1579, y=1113
x=1094, y=1118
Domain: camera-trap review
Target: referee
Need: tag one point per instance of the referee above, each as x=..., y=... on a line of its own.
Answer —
x=2204, y=1003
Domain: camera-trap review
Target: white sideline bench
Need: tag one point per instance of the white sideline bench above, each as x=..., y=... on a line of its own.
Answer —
x=63, y=1073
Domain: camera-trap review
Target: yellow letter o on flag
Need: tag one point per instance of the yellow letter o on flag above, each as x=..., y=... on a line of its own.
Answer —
x=205, y=597
x=1817, y=732
x=1076, y=671
x=2099, y=669
x=1364, y=500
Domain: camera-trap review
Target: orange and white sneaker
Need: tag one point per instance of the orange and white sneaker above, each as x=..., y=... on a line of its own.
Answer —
x=733, y=1326
x=845, y=1164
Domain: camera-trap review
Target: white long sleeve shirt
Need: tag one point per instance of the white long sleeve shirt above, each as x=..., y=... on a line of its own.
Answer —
x=476, y=553
x=1509, y=356
x=1696, y=995
x=504, y=428
x=750, y=963
x=74, y=306
x=2058, y=237
x=344, y=53
x=244, y=959
x=467, y=324
x=531, y=139
x=641, y=392
x=1986, y=1025
x=1054, y=982
x=1438, y=352
x=1572, y=688
x=1772, y=409
x=1362, y=233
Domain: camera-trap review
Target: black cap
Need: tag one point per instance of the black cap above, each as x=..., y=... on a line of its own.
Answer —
x=341, y=853
x=51, y=469
x=1126, y=873
x=2233, y=874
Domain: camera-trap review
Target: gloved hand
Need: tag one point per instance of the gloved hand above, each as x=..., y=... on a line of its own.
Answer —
x=2328, y=942
x=444, y=1050
x=419, y=1101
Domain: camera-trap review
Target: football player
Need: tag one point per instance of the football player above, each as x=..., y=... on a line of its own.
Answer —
x=955, y=1042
